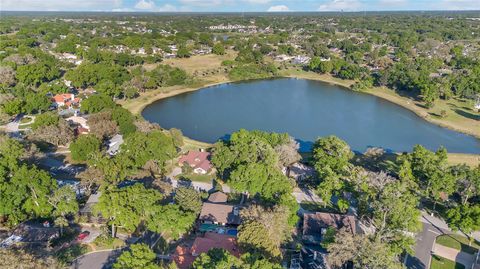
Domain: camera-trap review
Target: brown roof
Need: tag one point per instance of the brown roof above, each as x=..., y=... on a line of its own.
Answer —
x=197, y=159
x=221, y=213
x=184, y=256
x=314, y=222
x=218, y=197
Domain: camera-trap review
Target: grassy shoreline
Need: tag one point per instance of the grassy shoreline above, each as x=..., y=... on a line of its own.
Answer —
x=137, y=105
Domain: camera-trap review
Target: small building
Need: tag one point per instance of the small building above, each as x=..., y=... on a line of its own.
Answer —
x=87, y=209
x=184, y=256
x=218, y=197
x=198, y=160
x=114, y=144
x=65, y=100
x=222, y=214
x=315, y=225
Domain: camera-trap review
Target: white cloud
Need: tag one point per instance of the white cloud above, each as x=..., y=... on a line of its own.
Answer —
x=167, y=8
x=338, y=5
x=258, y=1
x=392, y=3
x=278, y=8
x=145, y=5
x=457, y=5
x=204, y=3
x=73, y=5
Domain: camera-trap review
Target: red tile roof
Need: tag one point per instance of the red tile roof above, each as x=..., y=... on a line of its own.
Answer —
x=184, y=256
x=197, y=159
x=62, y=98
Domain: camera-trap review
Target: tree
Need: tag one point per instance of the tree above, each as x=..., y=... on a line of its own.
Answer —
x=218, y=49
x=127, y=207
x=253, y=237
x=59, y=134
x=96, y=103
x=15, y=258
x=276, y=228
x=45, y=119
x=35, y=74
x=138, y=256
x=102, y=125
x=217, y=258
x=171, y=221
x=7, y=76
x=90, y=178
x=177, y=136
x=183, y=52
x=361, y=250
x=13, y=107
x=124, y=119
x=84, y=146
x=64, y=203
x=288, y=153
x=331, y=157
x=25, y=193
x=464, y=217
x=139, y=148
x=188, y=199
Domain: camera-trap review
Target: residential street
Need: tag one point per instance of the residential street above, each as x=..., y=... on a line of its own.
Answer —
x=96, y=260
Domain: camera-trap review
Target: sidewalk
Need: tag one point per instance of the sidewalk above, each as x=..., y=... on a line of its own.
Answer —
x=454, y=255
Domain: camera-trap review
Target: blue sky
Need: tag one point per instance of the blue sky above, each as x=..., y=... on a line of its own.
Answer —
x=236, y=5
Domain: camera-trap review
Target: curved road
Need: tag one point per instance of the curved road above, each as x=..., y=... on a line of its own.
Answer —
x=96, y=260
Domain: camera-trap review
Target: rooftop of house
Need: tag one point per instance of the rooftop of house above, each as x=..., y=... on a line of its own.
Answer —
x=197, y=159
x=218, y=197
x=313, y=223
x=221, y=213
x=184, y=255
x=63, y=97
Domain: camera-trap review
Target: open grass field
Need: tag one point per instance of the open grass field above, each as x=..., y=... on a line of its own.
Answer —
x=442, y=263
x=458, y=242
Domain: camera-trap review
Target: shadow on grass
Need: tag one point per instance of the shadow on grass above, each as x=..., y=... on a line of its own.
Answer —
x=467, y=114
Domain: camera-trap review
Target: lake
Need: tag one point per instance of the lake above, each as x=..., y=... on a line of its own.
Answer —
x=306, y=110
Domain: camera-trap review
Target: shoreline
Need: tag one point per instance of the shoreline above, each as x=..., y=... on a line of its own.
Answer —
x=136, y=106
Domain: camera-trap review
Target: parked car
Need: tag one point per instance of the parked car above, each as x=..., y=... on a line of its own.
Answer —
x=83, y=235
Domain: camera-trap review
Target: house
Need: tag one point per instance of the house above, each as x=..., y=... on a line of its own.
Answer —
x=315, y=225
x=65, y=100
x=198, y=160
x=299, y=59
x=221, y=214
x=87, y=210
x=114, y=144
x=218, y=197
x=184, y=256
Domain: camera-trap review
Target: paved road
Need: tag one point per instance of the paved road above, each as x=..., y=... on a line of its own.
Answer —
x=432, y=227
x=96, y=260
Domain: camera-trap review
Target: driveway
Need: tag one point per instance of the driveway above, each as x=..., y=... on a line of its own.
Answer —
x=305, y=195
x=425, y=241
x=96, y=260
x=454, y=255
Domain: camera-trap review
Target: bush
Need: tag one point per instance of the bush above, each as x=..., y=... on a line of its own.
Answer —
x=82, y=148
x=45, y=119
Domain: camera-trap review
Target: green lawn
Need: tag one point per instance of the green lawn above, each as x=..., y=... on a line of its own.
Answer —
x=458, y=242
x=442, y=263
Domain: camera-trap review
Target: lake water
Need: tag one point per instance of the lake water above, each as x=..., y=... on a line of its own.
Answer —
x=306, y=110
